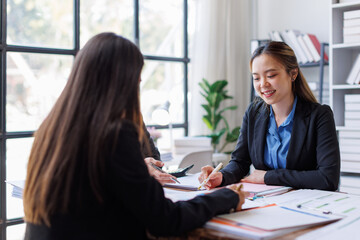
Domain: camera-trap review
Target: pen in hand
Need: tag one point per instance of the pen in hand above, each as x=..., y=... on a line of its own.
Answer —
x=208, y=178
x=159, y=169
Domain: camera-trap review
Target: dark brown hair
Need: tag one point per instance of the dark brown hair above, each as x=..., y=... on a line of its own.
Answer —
x=286, y=56
x=102, y=91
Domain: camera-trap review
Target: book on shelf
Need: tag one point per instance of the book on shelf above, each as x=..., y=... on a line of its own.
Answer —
x=311, y=47
x=354, y=72
x=275, y=36
x=350, y=166
x=352, y=98
x=349, y=142
x=351, y=30
x=352, y=106
x=350, y=190
x=351, y=38
x=317, y=45
x=351, y=134
x=353, y=22
x=295, y=43
x=305, y=48
x=352, y=114
x=352, y=122
x=350, y=149
x=350, y=157
x=351, y=14
x=350, y=181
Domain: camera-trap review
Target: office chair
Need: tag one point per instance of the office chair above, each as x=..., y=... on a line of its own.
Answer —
x=199, y=159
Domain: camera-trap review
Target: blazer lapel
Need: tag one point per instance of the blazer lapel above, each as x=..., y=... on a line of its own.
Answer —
x=261, y=123
x=299, y=132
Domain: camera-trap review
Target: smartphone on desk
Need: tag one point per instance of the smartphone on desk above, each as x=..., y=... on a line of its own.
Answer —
x=180, y=172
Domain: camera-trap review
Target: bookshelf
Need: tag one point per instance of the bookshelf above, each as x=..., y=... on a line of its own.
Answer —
x=320, y=64
x=342, y=58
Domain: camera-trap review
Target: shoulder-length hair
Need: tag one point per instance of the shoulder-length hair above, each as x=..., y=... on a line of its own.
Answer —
x=102, y=91
x=286, y=56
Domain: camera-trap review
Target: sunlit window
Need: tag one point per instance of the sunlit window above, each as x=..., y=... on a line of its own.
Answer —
x=40, y=23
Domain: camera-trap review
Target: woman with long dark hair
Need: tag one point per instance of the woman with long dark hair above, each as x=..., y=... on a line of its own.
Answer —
x=86, y=176
x=286, y=134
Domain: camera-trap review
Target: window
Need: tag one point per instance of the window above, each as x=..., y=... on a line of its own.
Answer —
x=38, y=43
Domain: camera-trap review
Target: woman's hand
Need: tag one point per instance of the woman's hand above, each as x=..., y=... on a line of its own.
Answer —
x=242, y=195
x=257, y=176
x=215, y=178
x=161, y=177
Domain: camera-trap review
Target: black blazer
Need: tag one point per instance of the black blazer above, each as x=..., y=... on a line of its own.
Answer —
x=134, y=202
x=313, y=159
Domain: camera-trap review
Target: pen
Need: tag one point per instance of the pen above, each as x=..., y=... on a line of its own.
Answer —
x=159, y=169
x=272, y=191
x=239, y=187
x=207, y=179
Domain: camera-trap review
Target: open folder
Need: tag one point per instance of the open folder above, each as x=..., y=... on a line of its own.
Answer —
x=269, y=221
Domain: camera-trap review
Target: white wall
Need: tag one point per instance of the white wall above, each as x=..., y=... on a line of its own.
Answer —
x=307, y=16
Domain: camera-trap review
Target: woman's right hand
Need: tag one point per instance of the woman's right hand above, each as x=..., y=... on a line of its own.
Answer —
x=242, y=195
x=215, y=178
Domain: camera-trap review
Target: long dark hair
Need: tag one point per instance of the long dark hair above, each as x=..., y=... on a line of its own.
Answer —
x=286, y=56
x=102, y=91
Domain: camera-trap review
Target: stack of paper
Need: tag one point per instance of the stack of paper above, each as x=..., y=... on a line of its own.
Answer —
x=269, y=221
x=18, y=187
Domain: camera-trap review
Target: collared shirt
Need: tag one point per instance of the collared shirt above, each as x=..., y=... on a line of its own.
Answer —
x=278, y=140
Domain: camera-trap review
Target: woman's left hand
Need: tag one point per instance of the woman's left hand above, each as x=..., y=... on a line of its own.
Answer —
x=161, y=177
x=257, y=176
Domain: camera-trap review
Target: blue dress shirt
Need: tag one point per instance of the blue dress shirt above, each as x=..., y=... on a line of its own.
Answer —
x=278, y=140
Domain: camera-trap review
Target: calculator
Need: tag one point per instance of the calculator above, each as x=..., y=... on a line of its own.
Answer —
x=180, y=172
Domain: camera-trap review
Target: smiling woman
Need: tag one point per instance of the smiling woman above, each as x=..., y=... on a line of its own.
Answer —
x=288, y=137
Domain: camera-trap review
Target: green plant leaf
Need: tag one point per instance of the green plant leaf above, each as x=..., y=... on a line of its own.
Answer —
x=207, y=109
x=204, y=87
x=207, y=120
x=217, y=136
x=219, y=98
x=206, y=83
x=218, y=86
x=233, y=135
x=217, y=118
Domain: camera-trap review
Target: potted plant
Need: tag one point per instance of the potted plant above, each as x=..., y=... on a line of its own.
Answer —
x=214, y=95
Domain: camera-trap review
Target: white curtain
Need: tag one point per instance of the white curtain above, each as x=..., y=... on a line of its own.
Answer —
x=221, y=50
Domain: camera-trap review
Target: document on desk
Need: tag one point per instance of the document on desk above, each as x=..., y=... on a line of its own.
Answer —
x=188, y=182
x=346, y=228
x=318, y=200
x=269, y=221
x=176, y=195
